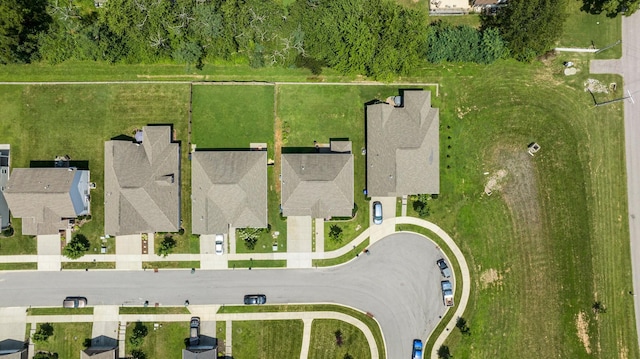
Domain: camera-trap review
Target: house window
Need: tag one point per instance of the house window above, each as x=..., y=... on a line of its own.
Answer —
x=4, y=171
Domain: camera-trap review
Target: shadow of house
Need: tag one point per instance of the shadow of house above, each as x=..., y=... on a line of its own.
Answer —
x=13, y=349
x=101, y=347
x=402, y=137
x=142, y=183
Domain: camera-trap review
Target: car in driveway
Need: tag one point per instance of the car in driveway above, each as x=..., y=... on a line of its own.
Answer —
x=444, y=268
x=417, y=349
x=194, y=331
x=74, y=302
x=377, y=212
x=255, y=299
x=219, y=244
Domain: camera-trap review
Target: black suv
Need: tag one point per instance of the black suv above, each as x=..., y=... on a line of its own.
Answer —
x=251, y=299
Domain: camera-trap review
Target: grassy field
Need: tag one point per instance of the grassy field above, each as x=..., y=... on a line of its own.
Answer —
x=471, y=19
x=41, y=122
x=67, y=339
x=258, y=264
x=267, y=339
x=553, y=237
x=585, y=30
x=323, y=343
x=154, y=310
x=165, y=342
x=60, y=311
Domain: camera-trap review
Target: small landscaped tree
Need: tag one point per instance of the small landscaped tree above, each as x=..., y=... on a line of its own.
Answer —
x=167, y=245
x=421, y=205
x=461, y=324
x=443, y=352
x=335, y=233
x=250, y=236
x=338, y=334
x=45, y=330
x=77, y=247
x=45, y=355
x=138, y=354
x=139, y=332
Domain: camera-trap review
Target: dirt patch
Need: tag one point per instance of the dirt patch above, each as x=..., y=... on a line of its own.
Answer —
x=624, y=351
x=462, y=111
x=490, y=277
x=494, y=182
x=595, y=86
x=582, y=326
x=520, y=189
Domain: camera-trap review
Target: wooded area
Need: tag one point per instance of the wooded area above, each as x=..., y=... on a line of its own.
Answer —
x=377, y=38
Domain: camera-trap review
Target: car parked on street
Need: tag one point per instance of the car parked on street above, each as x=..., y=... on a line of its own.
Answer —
x=74, y=302
x=417, y=349
x=377, y=212
x=219, y=244
x=255, y=299
x=444, y=268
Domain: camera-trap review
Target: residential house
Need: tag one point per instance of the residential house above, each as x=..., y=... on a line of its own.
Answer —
x=142, y=183
x=22, y=353
x=229, y=189
x=5, y=165
x=100, y=353
x=194, y=353
x=448, y=6
x=403, y=155
x=488, y=6
x=47, y=198
x=318, y=184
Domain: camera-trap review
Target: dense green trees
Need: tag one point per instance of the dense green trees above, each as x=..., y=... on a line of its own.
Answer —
x=529, y=27
x=611, y=7
x=464, y=44
x=21, y=22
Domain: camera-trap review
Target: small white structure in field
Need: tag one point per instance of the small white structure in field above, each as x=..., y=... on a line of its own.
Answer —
x=533, y=148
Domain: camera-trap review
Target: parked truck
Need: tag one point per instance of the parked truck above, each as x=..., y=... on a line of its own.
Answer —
x=447, y=293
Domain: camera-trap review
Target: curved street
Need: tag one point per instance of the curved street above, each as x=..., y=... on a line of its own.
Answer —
x=398, y=283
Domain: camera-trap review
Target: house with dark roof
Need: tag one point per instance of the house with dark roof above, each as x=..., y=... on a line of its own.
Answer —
x=403, y=156
x=318, y=184
x=228, y=189
x=5, y=164
x=195, y=353
x=100, y=353
x=142, y=183
x=47, y=198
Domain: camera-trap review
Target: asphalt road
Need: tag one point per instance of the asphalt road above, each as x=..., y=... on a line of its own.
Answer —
x=398, y=283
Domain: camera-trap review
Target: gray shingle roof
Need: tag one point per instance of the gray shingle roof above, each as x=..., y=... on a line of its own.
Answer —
x=228, y=188
x=199, y=354
x=42, y=197
x=319, y=185
x=142, y=184
x=99, y=353
x=403, y=155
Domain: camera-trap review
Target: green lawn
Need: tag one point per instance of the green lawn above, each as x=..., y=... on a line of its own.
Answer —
x=67, y=339
x=343, y=258
x=368, y=321
x=584, y=30
x=60, y=311
x=154, y=310
x=171, y=264
x=18, y=266
x=89, y=265
x=324, y=344
x=221, y=335
x=41, y=122
x=258, y=263
x=165, y=342
x=472, y=19
x=267, y=339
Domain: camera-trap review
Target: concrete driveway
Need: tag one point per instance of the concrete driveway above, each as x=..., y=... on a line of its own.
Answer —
x=129, y=252
x=13, y=323
x=377, y=232
x=49, y=252
x=398, y=283
x=208, y=257
x=299, y=237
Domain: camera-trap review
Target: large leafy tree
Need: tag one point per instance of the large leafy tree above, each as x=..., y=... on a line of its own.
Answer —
x=611, y=7
x=529, y=27
x=21, y=21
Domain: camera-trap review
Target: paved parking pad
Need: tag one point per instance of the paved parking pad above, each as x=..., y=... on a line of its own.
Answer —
x=49, y=252
x=129, y=252
x=13, y=323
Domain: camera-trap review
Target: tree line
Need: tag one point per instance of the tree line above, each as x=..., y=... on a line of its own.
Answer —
x=377, y=38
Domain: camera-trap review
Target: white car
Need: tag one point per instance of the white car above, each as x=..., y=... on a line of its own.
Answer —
x=219, y=244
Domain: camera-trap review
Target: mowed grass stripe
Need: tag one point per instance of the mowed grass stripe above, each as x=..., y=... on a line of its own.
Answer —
x=267, y=339
x=324, y=343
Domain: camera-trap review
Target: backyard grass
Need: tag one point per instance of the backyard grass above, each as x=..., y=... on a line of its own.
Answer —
x=258, y=264
x=60, y=311
x=41, y=122
x=154, y=310
x=18, y=266
x=324, y=345
x=221, y=335
x=171, y=264
x=67, y=339
x=471, y=19
x=585, y=30
x=88, y=265
x=164, y=342
x=267, y=339
x=363, y=317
